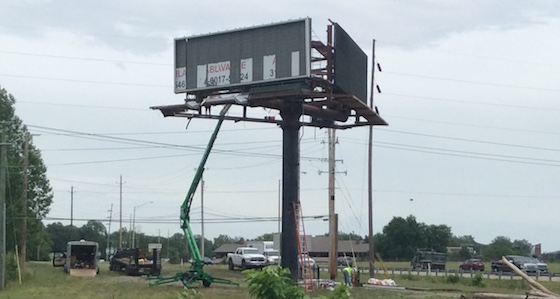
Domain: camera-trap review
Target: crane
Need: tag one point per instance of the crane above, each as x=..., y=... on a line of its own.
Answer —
x=195, y=272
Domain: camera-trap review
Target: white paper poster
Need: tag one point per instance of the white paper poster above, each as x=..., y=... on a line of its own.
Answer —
x=218, y=73
x=269, y=67
x=180, y=79
x=246, y=70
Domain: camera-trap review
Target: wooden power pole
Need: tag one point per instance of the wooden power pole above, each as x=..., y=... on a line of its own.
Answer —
x=120, y=213
x=23, y=239
x=3, y=168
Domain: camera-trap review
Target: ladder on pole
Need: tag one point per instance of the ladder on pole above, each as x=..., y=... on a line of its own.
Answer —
x=305, y=265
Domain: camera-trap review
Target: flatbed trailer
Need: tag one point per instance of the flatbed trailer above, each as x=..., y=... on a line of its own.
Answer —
x=135, y=262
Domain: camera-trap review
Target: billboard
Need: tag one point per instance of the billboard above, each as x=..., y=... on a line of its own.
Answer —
x=350, y=65
x=238, y=58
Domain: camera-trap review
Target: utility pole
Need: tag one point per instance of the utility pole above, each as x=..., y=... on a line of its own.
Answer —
x=333, y=217
x=120, y=213
x=109, y=234
x=23, y=240
x=279, y=208
x=71, y=206
x=3, y=168
x=131, y=233
x=167, y=250
x=371, y=252
x=333, y=230
x=72, y=213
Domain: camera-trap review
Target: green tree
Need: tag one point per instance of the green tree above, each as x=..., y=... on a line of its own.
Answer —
x=459, y=241
x=400, y=238
x=437, y=237
x=59, y=235
x=208, y=246
x=93, y=230
x=265, y=237
x=464, y=253
x=499, y=247
x=522, y=247
x=39, y=192
x=225, y=239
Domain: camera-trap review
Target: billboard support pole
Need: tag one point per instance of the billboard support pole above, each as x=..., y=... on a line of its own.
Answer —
x=290, y=113
x=371, y=252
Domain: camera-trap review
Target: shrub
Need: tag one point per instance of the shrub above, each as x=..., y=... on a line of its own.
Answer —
x=273, y=283
x=11, y=266
x=478, y=281
x=409, y=276
x=453, y=279
x=190, y=294
x=341, y=292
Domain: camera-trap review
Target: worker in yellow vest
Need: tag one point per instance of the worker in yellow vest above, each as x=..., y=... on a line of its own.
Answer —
x=347, y=271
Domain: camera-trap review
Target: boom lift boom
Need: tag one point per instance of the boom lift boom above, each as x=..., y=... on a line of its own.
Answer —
x=195, y=273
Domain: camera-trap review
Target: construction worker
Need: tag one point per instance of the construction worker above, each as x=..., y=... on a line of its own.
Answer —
x=347, y=271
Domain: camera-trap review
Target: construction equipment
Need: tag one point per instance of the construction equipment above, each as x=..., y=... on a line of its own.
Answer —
x=195, y=273
x=305, y=261
x=428, y=259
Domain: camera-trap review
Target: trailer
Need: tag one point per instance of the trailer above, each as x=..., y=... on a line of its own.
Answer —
x=82, y=258
x=135, y=262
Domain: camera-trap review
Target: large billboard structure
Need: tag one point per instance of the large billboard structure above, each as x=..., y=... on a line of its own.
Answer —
x=257, y=66
x=279, y=67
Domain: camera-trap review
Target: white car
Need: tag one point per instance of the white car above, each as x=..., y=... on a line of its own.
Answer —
x=272, y=257
x=307, y=260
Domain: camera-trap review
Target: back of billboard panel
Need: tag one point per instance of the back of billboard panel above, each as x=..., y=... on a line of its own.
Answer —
x=350, y=65
x=238, y=58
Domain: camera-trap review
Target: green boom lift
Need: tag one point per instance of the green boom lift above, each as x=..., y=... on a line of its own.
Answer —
x=195, y=273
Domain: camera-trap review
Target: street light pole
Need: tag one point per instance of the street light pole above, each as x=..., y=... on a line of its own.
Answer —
x=134, y=222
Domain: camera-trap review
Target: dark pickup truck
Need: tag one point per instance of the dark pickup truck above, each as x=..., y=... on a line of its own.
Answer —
x=524, y=263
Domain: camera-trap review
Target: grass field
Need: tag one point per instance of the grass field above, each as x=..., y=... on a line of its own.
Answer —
x=45, y=282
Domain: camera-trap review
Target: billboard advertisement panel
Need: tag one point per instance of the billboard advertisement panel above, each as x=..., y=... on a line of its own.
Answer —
x=237, y=58
x=350, y=65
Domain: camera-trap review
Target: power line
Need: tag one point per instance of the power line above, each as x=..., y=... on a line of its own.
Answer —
x=87, y=58
x=472, y=55
x=469, y=140
x=471, y=102
x=413, y=149
x=86, y=81
x=473, y=125
x=471, y=82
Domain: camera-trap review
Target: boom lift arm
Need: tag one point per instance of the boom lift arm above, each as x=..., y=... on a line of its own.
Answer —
x=195, y=273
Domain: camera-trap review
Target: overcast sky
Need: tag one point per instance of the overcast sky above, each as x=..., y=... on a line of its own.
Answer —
x=469, y=89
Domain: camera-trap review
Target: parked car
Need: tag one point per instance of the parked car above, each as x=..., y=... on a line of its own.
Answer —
x=472, y=264
x=307, y=260
x=542, y=266
x=344, y=261
x=207, y=261
x=272, y=257
x=59, y=259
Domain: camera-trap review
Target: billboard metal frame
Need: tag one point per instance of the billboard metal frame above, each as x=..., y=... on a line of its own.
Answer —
x=189, y=66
